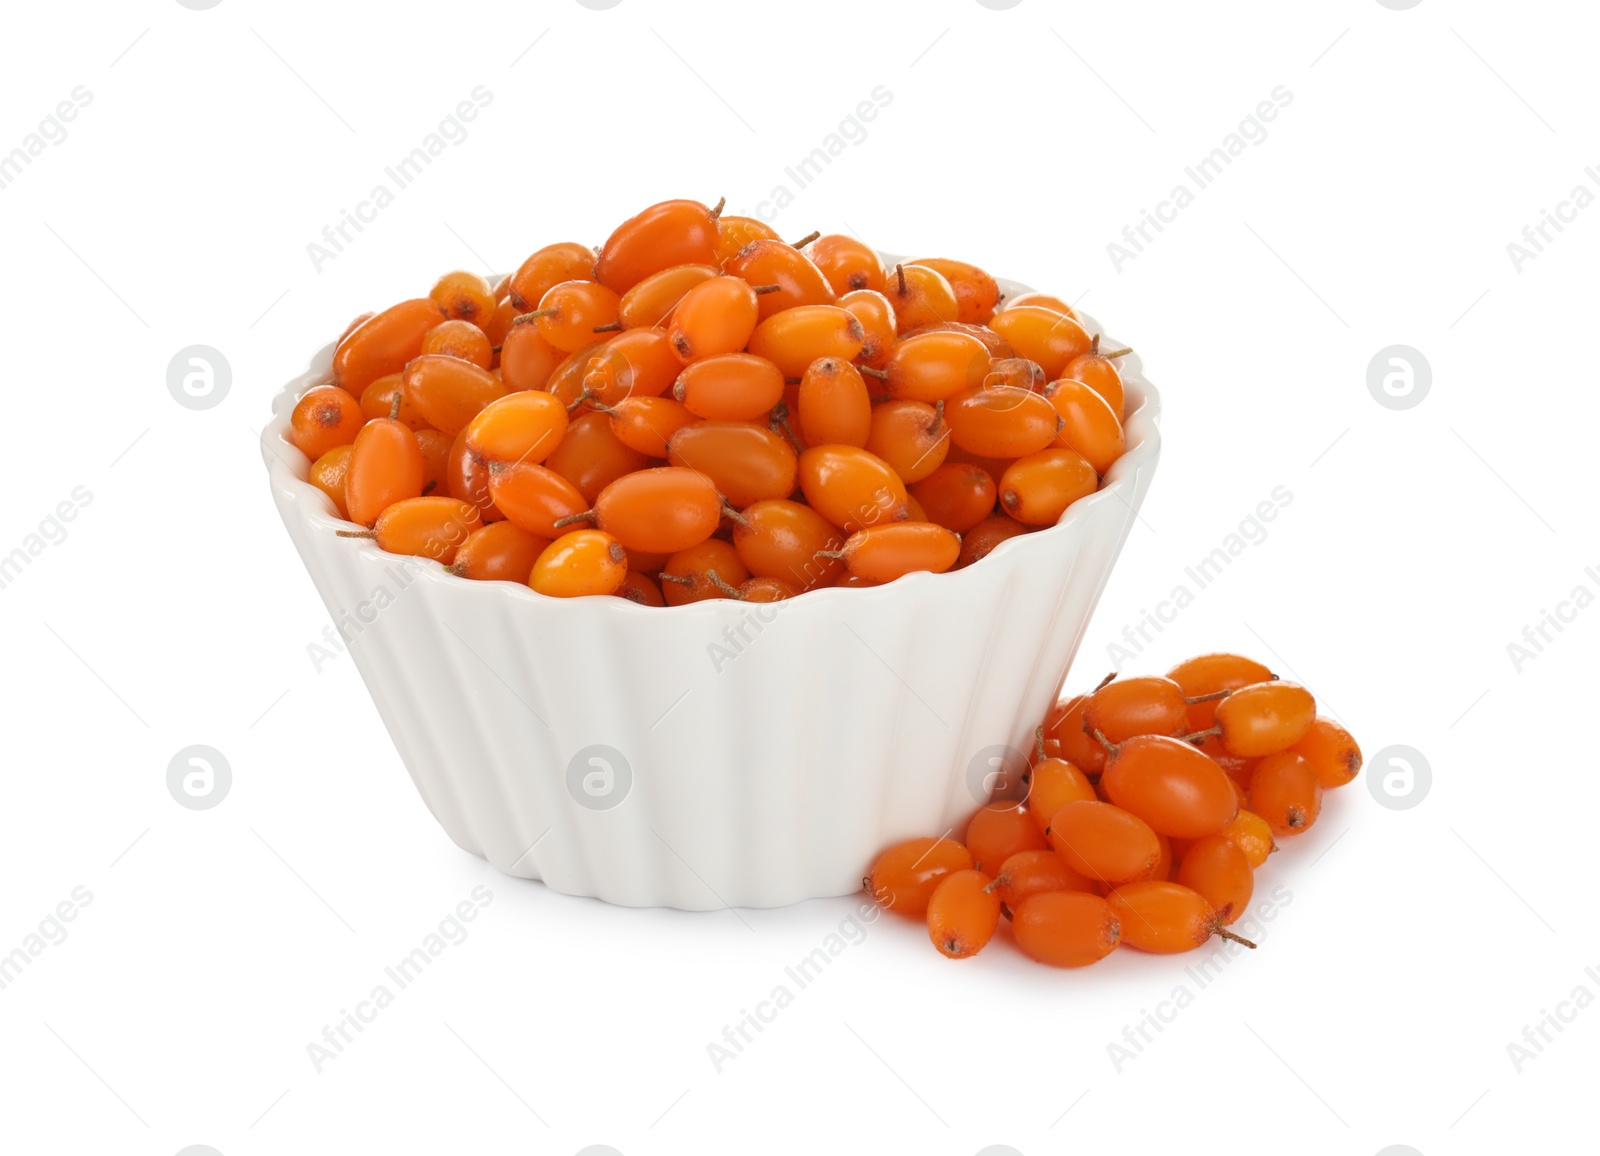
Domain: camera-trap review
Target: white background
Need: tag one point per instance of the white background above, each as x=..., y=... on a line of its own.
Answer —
x=1415, y=945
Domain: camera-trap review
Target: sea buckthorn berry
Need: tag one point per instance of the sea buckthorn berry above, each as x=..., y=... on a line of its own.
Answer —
x=962, y=914
x=519, y=427
x=1088, y=424
x=715, y=317
x=1218, y=869
x=798, y=281
x=534, y=497
x=435, y=447
x=1284, y=792
x=547, y=268
x=666, y=234
x=1002, y=423
x=746, y=462
x=884, y=553
x=711, y=569
x=566, y=380
x=651, y=300
x=449, y=392
x=1078, y=746
x=634, y=363
x=467, y=478
x=579, y=563
x=876, y=315
x=427, y=527
x=1170, y=785
x=663, y=510
x=847, y=263
x=646, y=424
x=795, y=338
x=327, y=474
x=1047, y=300
x=385, y=467
x=383, y=343
x=903, y=877
x=920, y=296
x=463, y=296
x=998, y=831
x=975, y=290
x=767, y=590
x=999, y=348
x=1209, y=674
x=460, y=339
x=833, y=405
x=1104, y=842
x=1052, y=781
x=591, y=456
x=935, y=366
x=1331, y=751
x=978, y=542
x=956, y=496
x=571, y=313
x=1165, y=918
x=500, y=322
x=355, y=324
x=640, y=588
x=1251, y=834
x=1036, y=490
x=1015, y=373
x=911, y=436
x=527, y=360
x=1043, y=335
x=729, y=387
x=1030, y=873
x=324, y=417
x=788, y=541
x=498, y=552
x=1066, y=928
x=1236, y=768
x=1127, y=707
x=1265, y=718
x=377, y=400
x=1100, y=374
x=734, y=233
x=852, y=488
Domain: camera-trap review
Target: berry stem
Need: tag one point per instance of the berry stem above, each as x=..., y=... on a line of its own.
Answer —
x=356, y=533
x=880, y=374
x=534, y=315
x=762, y=290
x=806, y=240
x=716, y=580
x=1198, y=738
x=573, y=519
x=716, y=210
x=613, y=327
x=900, y=276
x=1212, y=697
x=1226, y=934
x=1118, y=352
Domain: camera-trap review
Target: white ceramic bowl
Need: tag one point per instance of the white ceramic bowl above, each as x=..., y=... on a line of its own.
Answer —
x=717, y=754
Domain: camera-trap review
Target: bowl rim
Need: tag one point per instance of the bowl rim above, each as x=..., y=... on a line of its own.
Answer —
x=287, y=468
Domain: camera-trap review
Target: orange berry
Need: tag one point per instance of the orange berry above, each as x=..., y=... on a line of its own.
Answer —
x=962, y=914
x=903, y=878
x=580, y=563
x=1066, y=928
x=324, y=417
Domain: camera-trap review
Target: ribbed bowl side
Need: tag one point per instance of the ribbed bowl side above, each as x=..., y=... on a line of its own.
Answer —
x=773, y=750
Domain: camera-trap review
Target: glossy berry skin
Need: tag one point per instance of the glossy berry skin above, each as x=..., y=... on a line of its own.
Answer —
x=467, y=477
x=662, y=510
x=650, y=301
x=1030, y=873
x=903, y=878
x=378, y=399
x=525, y=426
x=546, y=268
x=1042, y=335
x=795, y=338
x=729, y=387
x=1265, y=718
x=460, y=339
x=884, y=553
x=833, y=404
x=1101, y=375
x=920, y=296
x=1252, y=835
x=527, y=360
x=1066, y=928
x=876, y=315
x=427, y=527
x=1065, y=726
x=1038, y=489
x=734, y=233
x=1284, y=792
x=646, y=424
x=1104, y=842
x=1002, y=423
x=962, y=914
x=1053, y=782
x=1209, y=673
x=1331, y=751
x=1163, y=918
x=679, y=232
x=847, y=263
x=534, y=497
x=634, y=363
x=1088, y=424
x=775, y=263
x=591, y=457
x=978, y=542
x=1219, y=870
x=1170, y=785
x=498, y=552
x=784, y=540
x=463, y=296
x=687, y=576
x=911, y=436
x=324, y=417
x=580, y=563
x=956, y=496
x=576, y=310
x=1046, y=300
x=383, y=343
x=385, y=467
x=745, y=462
x=715, y=317
x=852, y=488
x=1147, y=705
x=935, y=366
x=998, y=831
x=640, y=588
x=327, y=474
x=449, y=392
x=975, y=290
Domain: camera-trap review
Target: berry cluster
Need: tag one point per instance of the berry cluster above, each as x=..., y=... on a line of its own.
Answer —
x=1151, y=803
x=697, y=409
